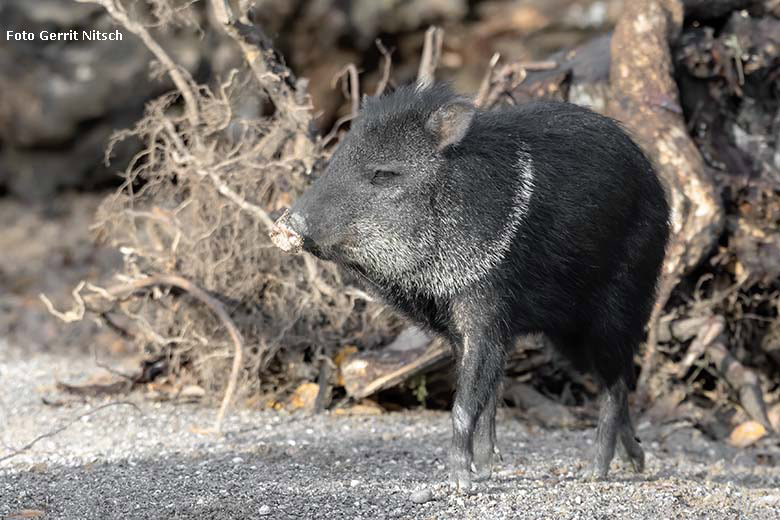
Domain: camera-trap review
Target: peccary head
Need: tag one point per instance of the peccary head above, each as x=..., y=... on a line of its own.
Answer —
x=392, y=202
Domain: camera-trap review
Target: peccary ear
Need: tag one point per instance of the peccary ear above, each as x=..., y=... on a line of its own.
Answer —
x=450, y=122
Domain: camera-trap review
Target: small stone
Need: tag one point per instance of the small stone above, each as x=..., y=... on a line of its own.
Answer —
x=354, y=483
x=770, y=500
x=746, y=434
x=192, y=392
x=264, y=510
x=421, y=496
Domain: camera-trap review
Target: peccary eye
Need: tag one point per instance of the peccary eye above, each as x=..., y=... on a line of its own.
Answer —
x=382, y=175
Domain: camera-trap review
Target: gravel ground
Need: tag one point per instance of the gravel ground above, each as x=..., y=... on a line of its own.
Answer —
x=154, y=463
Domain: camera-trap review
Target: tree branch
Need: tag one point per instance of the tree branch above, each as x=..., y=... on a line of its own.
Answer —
x=121, y=291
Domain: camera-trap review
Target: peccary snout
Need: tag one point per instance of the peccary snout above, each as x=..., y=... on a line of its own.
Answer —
x=288, y=231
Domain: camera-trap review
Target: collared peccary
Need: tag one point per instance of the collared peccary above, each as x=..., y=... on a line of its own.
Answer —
x=486, y=225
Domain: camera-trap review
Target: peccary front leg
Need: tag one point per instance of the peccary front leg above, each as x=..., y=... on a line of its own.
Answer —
x=479, y=368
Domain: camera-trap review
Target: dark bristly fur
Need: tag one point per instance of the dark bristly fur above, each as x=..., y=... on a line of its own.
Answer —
x=483, y=226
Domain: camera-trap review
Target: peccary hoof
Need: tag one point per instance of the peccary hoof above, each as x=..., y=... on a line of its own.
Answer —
x=461, y=482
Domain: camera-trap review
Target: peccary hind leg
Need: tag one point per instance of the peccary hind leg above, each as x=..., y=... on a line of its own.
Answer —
x=629, y=448
x=615, y=424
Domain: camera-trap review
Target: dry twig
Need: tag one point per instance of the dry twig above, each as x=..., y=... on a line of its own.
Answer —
x=65, y=427
x=387, y=62
x=179, y=76
x=502, y=81
x=707, y=336
x=665, y=287
x=487, y=81
x=426, y=74
x=278, y=82
x=122, y=291
x=350, y=86
x=741, y=379
x=196, y=204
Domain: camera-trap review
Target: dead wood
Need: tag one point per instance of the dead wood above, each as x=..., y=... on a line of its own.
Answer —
x=177, y=75
x=487, y=82
x=497, y=83
x=692, y=109
x=743, y=380
x=645, y=97
x=415, y=352
x=434, y=39
x=194, y=211
x=350, y=88
x=96, y=390
x=538, y=407
x=636, y=86
x=671, y=328
x=387, y=63
x=707, y=335
x=411, y=353
x=123, y=291
x=285, y=91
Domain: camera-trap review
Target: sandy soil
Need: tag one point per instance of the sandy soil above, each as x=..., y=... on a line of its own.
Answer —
x=156, y=462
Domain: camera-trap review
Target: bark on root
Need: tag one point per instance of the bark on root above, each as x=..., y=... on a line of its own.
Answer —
x=645, y=98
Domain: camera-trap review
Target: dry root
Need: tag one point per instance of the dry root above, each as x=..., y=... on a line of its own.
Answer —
x=194, y=213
